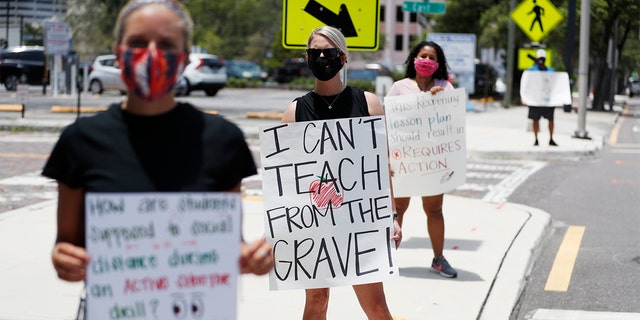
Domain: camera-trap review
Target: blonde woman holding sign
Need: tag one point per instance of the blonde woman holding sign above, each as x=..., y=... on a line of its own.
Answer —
x=150, y=142
x=427, y=72
x=333, y=99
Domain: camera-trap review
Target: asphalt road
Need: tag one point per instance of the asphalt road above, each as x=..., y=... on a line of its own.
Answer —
x=600, y=199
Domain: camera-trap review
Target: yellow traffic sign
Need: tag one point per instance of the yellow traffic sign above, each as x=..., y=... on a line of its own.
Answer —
x=536, y=18
x=358, y=21
x=527, y=56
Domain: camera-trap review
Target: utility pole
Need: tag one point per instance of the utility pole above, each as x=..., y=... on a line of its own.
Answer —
x=510, y=57
x=583, y=72
x=389, y=34
x=7, y=24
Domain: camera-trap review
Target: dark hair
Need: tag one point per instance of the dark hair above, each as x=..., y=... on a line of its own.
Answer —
x=442, y=73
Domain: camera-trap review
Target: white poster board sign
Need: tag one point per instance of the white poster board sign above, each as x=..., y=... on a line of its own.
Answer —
x=545, y=88
x=162, y=255
x=427, y=142
x=327, y=203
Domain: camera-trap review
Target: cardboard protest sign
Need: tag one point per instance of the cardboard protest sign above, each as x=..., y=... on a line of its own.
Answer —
x=162, y=255
x=327, y=203
x=545, y=88
x=427, y=142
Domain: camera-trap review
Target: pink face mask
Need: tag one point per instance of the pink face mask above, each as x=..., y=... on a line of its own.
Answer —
x=425, y=67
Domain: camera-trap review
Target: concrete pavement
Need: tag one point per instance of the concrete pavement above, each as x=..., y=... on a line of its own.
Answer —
x=492, y=245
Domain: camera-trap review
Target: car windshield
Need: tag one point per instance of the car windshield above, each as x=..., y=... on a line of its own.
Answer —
x=362, y=74
x=211, y=65
x=243, y=66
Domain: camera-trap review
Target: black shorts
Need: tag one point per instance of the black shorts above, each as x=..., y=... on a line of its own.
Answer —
x=535, y=113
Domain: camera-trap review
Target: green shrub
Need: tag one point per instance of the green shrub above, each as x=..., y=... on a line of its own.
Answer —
x=244, y=83
x=363, y=84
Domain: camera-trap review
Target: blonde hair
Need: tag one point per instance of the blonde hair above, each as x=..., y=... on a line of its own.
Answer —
x=334, y=35
x=175, y=6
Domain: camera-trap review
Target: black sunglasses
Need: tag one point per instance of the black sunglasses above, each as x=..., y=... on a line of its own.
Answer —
x=330, y=53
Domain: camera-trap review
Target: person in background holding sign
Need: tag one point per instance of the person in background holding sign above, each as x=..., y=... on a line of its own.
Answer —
x=149, y=143
x=427, y=72
x=333, y=99
x=535, y=113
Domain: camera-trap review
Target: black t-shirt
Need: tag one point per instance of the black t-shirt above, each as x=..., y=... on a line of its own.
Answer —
x=350, y=103
x=181, y=150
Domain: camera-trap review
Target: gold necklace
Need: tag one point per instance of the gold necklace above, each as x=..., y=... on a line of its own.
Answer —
x=330, y=105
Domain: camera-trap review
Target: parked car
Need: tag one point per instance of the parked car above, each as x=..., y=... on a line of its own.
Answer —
x=368, y=73
x=291, y=69
x=633, y=87
x=485, y=80
x=204, y=72
x=104, y=74
x=243, y=69
x=22, y=64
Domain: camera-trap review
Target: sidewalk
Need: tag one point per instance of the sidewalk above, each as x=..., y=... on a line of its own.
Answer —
x=491, y=245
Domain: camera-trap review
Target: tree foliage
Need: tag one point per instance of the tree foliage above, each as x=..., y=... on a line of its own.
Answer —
x=252, y=30
x=612, y=21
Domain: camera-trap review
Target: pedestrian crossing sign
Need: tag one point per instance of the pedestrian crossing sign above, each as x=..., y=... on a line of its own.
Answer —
x=357, y=20
x=536, y=18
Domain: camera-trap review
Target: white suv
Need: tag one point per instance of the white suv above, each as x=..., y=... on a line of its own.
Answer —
x=105, y=75
x=204, y=72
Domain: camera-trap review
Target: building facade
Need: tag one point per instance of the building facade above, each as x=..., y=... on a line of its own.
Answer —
x=400, y=29
x=15, y=13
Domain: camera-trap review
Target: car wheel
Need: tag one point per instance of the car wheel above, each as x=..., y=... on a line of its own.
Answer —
x=95, y=86
x=11, y=82
x=187, y=88
x=211, y=92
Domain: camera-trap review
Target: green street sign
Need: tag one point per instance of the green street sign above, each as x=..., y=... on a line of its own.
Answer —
x=425, y=7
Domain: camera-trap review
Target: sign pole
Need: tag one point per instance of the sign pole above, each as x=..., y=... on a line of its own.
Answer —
x=583, y=70
x=506, y=102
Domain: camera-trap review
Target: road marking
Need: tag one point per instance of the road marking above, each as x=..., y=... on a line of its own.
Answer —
x=627, y=163
x=501, y=191
x=613, y=137
x=12, y=107
x=625, y=181
x=24, y=155
x=549, y=314
x=29, y=179
x=83, y=109
x=562, y=268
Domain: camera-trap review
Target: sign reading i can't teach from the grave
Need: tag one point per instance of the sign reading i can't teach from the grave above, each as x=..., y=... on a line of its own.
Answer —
x=427, y=142
x=162, y=255
x=327, y=203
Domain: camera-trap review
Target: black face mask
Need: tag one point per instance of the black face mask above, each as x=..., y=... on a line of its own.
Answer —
x=324, y=69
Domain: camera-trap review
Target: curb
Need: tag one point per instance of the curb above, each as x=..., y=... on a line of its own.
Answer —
x=265, y=115
x=69, y=109
x=517, y=264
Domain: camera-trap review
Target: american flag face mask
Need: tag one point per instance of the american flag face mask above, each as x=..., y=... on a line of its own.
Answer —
x=150, y=73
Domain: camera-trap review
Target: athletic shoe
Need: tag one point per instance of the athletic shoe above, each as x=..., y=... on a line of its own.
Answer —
x=535, y=143
x=442, y=266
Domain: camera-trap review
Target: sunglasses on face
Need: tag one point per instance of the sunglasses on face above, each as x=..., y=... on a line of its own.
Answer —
x=330, y=53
